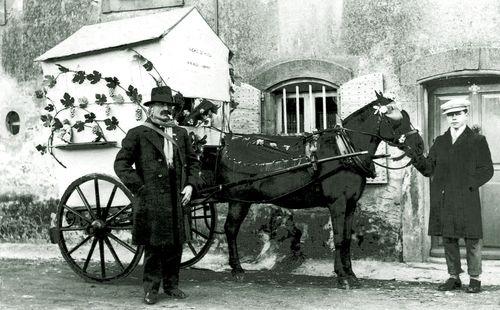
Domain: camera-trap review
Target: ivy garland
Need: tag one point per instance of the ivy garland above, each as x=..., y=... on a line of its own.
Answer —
x=64, y=127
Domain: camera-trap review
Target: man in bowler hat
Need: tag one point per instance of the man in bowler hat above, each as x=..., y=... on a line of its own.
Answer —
x=157, y=163
x=459, y=162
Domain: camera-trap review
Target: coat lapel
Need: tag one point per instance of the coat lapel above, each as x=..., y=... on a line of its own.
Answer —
x=154, y=138
x=447, y=136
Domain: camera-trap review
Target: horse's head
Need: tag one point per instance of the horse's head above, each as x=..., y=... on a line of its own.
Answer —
x=394, y=125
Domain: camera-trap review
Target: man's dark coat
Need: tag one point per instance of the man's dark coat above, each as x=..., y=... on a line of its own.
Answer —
x=158, y=215
x=457, y=171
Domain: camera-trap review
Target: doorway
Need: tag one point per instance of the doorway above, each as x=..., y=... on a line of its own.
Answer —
x=484, y=95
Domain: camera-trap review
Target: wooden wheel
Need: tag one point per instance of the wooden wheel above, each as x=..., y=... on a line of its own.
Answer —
x=94, y=228
x=203, y=219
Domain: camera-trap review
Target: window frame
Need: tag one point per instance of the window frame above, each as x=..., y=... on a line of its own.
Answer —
x=308, y=97
x=111, y=6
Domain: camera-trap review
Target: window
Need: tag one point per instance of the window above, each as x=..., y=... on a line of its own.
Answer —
x=13, y=122
x=307, y=106
x=109, y=6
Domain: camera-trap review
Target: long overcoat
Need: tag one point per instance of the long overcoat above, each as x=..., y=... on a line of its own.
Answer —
x=457, y=171
x=158, y=214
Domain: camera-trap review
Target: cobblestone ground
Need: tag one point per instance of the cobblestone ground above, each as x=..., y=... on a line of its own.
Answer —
x=39, y=284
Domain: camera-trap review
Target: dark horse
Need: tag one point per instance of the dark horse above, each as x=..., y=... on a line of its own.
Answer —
x=337, y=184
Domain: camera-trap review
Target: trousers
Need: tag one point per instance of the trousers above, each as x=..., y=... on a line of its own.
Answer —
x=473, y=254
x=161, y=263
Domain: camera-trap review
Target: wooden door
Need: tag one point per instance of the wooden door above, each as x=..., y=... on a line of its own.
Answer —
x=484, y=94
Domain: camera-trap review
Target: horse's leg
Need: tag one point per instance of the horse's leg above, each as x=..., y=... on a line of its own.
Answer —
x=337, y=212
x=346, y=245
x=235, y=216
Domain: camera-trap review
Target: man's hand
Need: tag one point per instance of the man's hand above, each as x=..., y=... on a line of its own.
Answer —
x=186, y=194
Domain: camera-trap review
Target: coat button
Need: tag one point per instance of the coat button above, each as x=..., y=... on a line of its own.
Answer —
x=160, y=175
x=160, y=160
x=442, y=192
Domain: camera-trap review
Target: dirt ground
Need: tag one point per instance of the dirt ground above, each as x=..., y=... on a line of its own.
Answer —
x=51, y=284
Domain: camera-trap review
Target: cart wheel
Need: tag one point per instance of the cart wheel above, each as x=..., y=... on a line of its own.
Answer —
x=203, y=222
x=94, y=228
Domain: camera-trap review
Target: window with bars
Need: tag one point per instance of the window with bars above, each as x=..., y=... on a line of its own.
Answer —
x=305, y=107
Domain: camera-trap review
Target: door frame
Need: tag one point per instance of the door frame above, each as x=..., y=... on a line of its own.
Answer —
x=428, y=90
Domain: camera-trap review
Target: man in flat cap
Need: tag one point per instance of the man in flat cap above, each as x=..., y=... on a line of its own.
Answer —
x=459, y=162
x=164, y=175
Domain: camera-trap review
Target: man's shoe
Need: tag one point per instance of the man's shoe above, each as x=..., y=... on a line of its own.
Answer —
x=450, y=285
x=175, y=293
x=474, y=286
x=151, y=297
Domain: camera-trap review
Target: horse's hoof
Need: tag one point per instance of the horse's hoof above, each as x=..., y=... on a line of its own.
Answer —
x=238, y=275
x=354, y=282
x=343, y=284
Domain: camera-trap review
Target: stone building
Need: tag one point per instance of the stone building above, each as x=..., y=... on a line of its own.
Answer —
x=423, y=52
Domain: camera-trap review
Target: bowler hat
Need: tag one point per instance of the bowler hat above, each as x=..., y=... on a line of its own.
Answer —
x=162, y=95
x=455, y=105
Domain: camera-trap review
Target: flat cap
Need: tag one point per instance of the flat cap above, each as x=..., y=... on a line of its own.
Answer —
x=455, y=105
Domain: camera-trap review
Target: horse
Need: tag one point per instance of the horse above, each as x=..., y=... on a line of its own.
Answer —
x=336, y=184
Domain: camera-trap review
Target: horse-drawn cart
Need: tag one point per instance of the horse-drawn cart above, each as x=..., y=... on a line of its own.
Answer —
x=177, y=48
x=94, y=220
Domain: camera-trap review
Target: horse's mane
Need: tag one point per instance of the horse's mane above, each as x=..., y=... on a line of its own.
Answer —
x=381, y=100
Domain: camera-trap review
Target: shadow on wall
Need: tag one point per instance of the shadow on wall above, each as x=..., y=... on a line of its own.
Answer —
x=280, y=239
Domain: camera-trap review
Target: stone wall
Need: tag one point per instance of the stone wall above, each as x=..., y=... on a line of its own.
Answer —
x=387, y=37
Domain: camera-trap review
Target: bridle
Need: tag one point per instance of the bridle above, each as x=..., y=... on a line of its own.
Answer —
x=396, y=137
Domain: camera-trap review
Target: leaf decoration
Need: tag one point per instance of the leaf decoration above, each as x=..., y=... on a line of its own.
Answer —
x=49, y=81
x=133, y=94
x=83, y=102
x=63, y=69
x=139, y=58
x=94, y=77
x=101, y=99
x=112, y=82
x=148, y=65
x=67, y=100
x=41, y=148
x=57, y=124
x=79, y=126
x=46, y=119
x=99, y=136
x=50, y=107
x=111, y=124
x=40, y=94
x=79, y=77
x=89, y=118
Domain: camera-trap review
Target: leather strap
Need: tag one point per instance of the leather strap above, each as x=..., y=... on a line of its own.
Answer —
x=164, y=134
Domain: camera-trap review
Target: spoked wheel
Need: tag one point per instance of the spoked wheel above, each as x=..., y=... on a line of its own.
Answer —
x=203, y=219
x=94, y=228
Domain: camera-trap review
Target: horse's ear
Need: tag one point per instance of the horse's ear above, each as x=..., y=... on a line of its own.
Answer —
x=378, y=94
